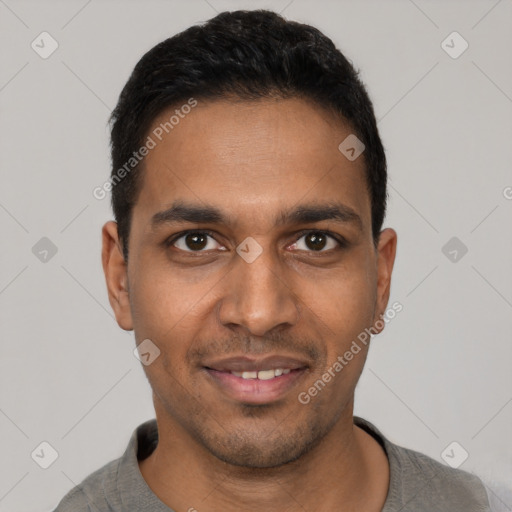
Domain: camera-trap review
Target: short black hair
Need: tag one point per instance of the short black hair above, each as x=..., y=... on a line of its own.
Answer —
x=249, y=55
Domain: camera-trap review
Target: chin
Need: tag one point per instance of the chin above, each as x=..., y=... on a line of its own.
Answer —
x=257, y=450
x=252, y=456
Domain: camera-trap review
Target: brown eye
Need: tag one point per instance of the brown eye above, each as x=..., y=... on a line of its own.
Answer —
x=317, y=241
x=194, y=241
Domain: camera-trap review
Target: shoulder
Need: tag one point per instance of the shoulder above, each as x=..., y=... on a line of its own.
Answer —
x=95, y=493
x=419, y=483
x=118, y=480
x=426, y=484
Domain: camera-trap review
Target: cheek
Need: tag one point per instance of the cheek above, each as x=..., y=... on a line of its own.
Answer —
x=162, y=301
x=170, y=311
x=161, y=313
x=344, y=301
x=343, y=308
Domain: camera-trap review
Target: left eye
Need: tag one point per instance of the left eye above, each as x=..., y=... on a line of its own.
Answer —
x=317, y=241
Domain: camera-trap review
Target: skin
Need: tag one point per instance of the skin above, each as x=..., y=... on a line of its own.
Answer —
x=251, y=160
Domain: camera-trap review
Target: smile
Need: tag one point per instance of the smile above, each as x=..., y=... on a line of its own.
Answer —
x=263, y=374
x=256, y=387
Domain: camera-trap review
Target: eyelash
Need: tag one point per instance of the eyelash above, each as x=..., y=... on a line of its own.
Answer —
x=342, y=242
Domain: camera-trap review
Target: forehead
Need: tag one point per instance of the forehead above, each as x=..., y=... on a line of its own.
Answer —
x=250, y=159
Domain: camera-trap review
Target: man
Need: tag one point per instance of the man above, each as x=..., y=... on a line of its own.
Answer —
x=248, y=256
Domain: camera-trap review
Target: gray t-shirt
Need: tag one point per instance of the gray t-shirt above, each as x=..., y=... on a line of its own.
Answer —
x=417, y=483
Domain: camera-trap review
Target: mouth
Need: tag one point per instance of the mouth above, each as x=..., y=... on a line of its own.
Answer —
x=252, y=381
x=262, y=374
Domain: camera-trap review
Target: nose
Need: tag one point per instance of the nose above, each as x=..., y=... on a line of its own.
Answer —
x=257, y=296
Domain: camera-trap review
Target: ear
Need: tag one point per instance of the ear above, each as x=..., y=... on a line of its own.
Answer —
x=116, y=275
x=386, y=251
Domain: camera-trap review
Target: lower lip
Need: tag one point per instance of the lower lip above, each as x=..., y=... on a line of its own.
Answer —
x=255, y=391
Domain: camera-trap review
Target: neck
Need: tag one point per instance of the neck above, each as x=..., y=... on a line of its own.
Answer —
x=348, y=466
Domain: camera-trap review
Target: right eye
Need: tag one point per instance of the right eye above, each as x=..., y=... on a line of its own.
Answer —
x=192, y=241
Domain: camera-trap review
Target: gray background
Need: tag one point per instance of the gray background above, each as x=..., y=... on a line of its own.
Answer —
x=439, y=373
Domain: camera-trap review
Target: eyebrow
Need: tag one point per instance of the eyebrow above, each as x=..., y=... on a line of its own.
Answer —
x=302, y=214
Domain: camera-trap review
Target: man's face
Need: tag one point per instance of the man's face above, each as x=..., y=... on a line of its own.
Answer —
x=255, y=289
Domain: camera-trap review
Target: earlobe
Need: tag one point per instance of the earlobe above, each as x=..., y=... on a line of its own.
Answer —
x=386, y=253
x=116, y=275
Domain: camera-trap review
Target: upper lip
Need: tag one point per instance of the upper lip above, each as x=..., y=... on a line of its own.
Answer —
x=250, y=364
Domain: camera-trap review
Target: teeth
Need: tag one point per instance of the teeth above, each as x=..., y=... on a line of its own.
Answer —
x=266, y=374
x=263, y=374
